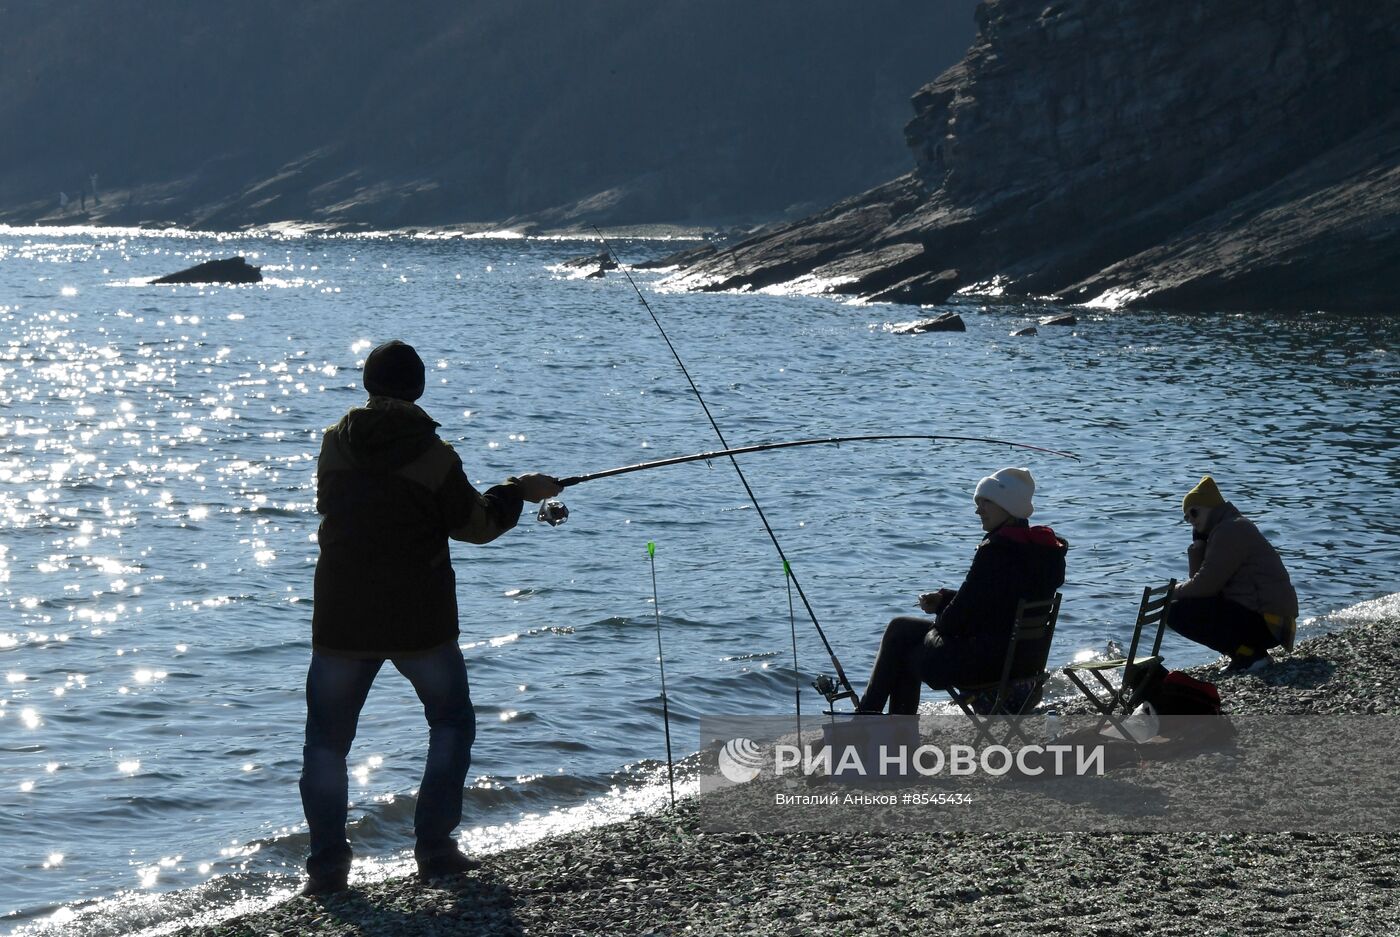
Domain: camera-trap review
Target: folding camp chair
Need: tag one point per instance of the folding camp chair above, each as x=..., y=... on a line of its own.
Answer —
x=1115, y=703
x=1010, y=696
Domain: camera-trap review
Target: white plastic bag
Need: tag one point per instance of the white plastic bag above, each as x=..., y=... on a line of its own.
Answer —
x=1141, y=725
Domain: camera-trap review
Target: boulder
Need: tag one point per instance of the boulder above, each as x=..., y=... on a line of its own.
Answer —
x=227, y=270
x=947, y=322
x=601, y=261
x=1028, y=330
x=1064, y=318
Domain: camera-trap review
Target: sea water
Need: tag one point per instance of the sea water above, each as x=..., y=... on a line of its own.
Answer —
x=157, y=461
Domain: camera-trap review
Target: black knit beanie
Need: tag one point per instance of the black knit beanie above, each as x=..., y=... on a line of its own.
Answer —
x=394, y=370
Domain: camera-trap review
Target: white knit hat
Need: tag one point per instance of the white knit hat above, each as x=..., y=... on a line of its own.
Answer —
x=1011, y=488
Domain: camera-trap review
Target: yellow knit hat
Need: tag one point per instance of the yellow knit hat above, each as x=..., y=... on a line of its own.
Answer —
x=1204, y=495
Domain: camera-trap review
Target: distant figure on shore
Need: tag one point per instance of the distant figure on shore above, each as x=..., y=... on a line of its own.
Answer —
x=92, y=179
x=82, y=198
x=62, y=202
x=967, y=642
x=391, y=494
x=1239, y=600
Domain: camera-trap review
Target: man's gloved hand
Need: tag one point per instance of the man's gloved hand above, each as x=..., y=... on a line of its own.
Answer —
x=534, y=486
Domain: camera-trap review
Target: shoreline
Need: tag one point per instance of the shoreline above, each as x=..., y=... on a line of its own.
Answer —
x=660, y=874
x=466, y=231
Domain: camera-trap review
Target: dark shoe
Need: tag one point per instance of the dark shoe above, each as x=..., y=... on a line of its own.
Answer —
x=320, y=887
x=446, y=865
x=1255, y=664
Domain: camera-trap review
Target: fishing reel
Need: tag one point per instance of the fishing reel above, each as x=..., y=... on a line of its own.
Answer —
x=832, y=691
x=552, y=512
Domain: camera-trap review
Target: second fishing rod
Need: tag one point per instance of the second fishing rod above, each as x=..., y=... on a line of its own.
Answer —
x=842, y=689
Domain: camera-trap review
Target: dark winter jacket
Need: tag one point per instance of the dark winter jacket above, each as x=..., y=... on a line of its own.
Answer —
x=390, y=494
x=1014, y=562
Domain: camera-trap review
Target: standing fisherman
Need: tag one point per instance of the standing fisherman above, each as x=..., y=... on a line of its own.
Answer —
x=391, y=494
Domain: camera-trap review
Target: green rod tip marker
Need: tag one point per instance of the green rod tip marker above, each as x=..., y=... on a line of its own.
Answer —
x=651, y=548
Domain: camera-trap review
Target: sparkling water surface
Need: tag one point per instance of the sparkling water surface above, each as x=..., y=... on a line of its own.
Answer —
x=157, y=459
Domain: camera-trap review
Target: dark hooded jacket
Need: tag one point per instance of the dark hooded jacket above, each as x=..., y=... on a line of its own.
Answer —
x=391, y=494
x=1013, y=562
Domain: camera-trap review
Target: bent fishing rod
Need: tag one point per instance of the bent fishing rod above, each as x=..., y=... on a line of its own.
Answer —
x=788, y=444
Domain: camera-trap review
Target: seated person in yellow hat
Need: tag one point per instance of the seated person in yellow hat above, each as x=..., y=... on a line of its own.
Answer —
x=1239, y=599
x=967, y=643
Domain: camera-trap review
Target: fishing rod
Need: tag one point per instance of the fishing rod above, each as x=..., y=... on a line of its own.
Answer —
x=788, y=444
x=661, y=661
x=832, y=693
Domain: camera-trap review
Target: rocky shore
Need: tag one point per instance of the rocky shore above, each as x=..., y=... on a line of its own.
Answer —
x=1189, y=155
x=661, y=874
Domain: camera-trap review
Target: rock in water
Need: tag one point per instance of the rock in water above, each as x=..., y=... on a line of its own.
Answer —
x=1062, y=319
x=228, y=270
x=1028, y=330
x=601, y=260
x=948, y=322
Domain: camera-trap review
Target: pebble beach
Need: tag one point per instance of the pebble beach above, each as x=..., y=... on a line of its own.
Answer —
x=661, y=874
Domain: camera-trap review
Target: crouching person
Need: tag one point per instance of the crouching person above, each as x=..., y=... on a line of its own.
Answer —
x=1238, y=600
x=967, y=642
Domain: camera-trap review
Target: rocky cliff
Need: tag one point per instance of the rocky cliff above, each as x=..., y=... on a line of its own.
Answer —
x=1166, y=153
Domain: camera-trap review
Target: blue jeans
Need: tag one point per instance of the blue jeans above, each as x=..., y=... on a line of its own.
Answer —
x=336, y=688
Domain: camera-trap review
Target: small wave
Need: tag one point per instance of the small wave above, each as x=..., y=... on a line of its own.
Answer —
x=23, y=749
x=1384, y=608
x=757, y=655
x=276, y=511
x=133, y=807
x=504, y=639
x=617, y=622
x=264, y=650
x=505, y=714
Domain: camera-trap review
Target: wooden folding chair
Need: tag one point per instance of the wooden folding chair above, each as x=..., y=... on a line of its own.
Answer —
x=1115, y=703
x=1016, y=696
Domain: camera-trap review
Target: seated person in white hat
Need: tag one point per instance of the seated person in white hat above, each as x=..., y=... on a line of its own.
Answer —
x=1239, y=600
x=966, y=644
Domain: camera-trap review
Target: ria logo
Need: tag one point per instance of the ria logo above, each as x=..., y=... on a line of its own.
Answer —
x=740, y=760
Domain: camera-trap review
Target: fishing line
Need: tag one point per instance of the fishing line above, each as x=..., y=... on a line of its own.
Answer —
x=661, y=659
x=848, y=690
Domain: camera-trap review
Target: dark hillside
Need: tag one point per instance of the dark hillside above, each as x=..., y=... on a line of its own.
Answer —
x=349, y=112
